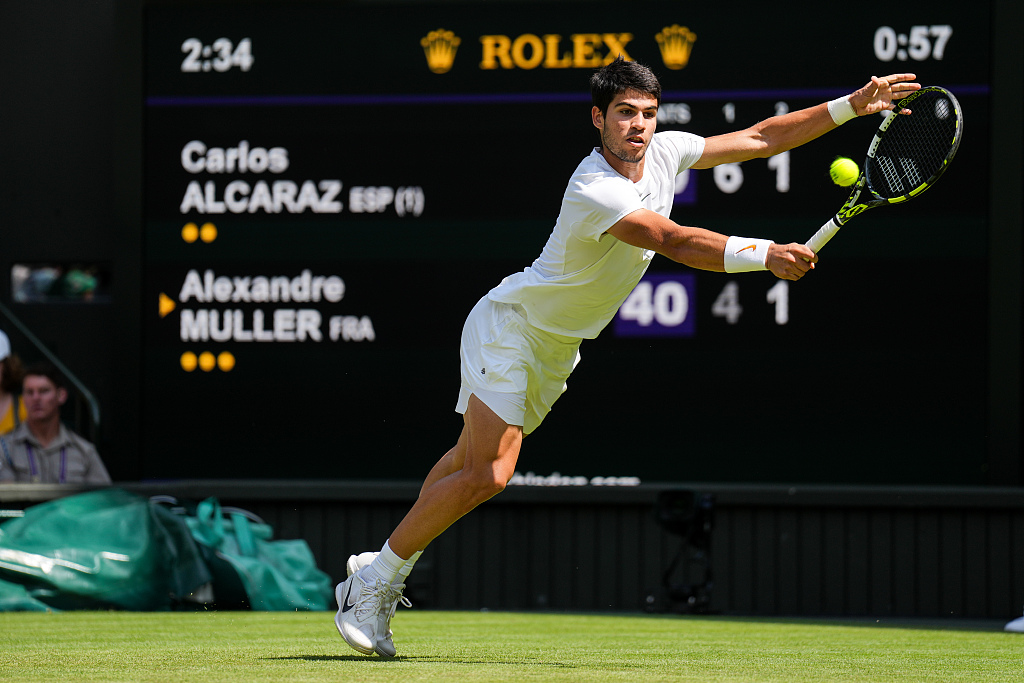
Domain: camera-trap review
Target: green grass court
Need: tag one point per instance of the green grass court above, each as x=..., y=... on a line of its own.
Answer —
x=494, y=646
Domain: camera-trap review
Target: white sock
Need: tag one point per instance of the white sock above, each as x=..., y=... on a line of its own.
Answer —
x=387, y=565
x=406, y=569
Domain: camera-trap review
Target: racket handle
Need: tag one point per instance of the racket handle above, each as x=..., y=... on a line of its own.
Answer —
x=824, y=234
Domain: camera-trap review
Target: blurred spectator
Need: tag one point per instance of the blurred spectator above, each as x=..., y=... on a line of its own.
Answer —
x=33, y=284
x=41, y=449
x=56, y=282
x=12, y=407
x=77, y=284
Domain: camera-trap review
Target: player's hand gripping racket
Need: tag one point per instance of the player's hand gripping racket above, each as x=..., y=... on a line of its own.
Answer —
x=908, y=155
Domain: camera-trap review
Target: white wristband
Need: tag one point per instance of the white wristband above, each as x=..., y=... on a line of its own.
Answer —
x=743, y=254
x=841, y=110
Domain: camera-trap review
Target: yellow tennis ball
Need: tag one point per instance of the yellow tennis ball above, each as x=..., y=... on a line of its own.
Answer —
x=844, y=171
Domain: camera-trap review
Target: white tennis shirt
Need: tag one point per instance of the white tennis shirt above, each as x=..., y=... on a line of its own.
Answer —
x=583, y=274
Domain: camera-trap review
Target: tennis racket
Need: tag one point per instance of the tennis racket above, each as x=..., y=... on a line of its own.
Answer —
x=908, y=154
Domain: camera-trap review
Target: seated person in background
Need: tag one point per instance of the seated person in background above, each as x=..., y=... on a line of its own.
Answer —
x=12, y=408
x=41, y=449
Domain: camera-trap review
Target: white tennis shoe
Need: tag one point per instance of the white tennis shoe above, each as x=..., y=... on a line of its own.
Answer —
x=357, y=562
x=385, y=646
x=360, y=603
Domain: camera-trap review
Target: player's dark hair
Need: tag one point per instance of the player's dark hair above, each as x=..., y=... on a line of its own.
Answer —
x=49, y=372
x=618, y=77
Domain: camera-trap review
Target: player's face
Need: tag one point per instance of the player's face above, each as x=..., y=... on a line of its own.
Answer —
x=627, y=128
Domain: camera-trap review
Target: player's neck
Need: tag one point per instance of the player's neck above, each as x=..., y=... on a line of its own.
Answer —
x=633, y=171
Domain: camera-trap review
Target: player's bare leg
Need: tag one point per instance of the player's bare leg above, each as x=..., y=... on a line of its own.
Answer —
x=449, y=463
x=475, y=470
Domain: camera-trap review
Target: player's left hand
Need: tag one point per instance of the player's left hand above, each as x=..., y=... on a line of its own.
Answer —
x=883, y=93
x=790, y=261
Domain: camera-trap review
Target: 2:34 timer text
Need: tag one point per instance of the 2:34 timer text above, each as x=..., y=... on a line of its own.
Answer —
x=219, y=56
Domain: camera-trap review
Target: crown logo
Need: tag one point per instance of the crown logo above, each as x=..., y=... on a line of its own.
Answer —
x=440, y=47
x=675, y=43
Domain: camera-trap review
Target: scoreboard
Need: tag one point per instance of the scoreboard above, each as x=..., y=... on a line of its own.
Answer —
x=330, y=187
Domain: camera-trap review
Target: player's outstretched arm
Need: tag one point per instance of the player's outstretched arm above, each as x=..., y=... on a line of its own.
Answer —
x=781, y=133
x=706, y=250
x=694, y=247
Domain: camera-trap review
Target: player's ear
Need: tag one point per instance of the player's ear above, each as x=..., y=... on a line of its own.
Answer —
x=597, y=117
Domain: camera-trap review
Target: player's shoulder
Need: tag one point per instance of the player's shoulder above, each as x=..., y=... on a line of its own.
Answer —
x=596, y=186
x=676, y=149
x=595, y=175
x=676, y=139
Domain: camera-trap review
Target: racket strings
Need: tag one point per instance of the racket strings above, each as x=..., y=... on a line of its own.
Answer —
x=915, y=147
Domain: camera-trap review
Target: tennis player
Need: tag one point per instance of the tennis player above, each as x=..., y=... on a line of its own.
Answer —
x=521, y=340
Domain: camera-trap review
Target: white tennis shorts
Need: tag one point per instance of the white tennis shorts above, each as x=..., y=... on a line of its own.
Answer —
x=517, y=370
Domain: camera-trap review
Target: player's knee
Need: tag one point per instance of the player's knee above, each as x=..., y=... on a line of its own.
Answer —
x=498, y=485
x=485, y=486
x=490, y=486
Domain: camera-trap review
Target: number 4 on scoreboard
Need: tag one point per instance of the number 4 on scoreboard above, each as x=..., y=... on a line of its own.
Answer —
x=727, y=304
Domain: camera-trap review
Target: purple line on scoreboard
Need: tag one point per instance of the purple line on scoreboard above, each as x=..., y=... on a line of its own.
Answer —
x=493, y=98
x=353, y=100
x=661, y=305
x=794, y=93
